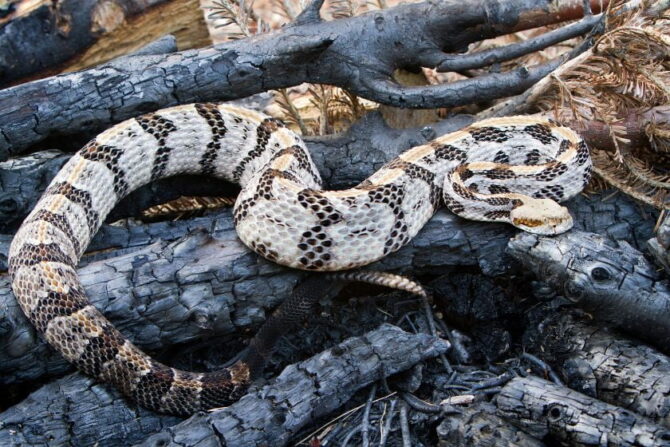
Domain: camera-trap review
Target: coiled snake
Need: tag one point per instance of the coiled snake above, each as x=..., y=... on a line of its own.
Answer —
x=504, y=170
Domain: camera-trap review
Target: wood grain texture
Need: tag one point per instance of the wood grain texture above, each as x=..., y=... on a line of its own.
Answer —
x=569, y=418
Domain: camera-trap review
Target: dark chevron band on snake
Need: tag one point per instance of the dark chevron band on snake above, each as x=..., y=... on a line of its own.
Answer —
x=504, y=170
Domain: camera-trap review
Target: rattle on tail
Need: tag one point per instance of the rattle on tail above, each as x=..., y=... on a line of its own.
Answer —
x=503, y=170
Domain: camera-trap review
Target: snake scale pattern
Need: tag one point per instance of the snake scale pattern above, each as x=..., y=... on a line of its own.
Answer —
x=510, y=169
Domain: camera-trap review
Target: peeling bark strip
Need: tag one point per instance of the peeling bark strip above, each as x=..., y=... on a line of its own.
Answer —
x=358, y=54
x=68, y=411
x=305, y=391
x=544, y=409
x=603, y=365
x=610, y=279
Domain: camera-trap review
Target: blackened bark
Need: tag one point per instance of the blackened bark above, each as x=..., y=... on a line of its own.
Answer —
x=549, y=411
x=602, y=364
x=208, y=283
x=75, y=411
x=479, y=425
x=40, y=38
x=359, y=54
x=610, y=279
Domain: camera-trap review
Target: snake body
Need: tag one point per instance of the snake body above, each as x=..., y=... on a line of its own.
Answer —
x=507, y=170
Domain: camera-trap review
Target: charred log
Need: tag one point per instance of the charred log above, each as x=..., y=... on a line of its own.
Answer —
x=75, y=411
x=600, y=363
x=203, y=285
x=480, y=425
x=358, y=54
x=566, y=417
x=610, y=279
x=41, y=38
x=207, y=283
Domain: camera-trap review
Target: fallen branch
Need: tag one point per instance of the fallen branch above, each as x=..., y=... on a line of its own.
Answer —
x=342, y=161
x=603, y=365
x=610, y=279
x=204, y=285
x=74, y=411
x=479, y=425
x=42, y=37
x=359, y=54
x=569, y=418
x=306, y=391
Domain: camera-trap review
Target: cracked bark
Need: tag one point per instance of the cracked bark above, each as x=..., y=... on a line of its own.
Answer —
x=206, y=282
x=272, y=413
x=41, y=38
x=600, y=363
x=610, y=279
x=359, y=54
x=203, y=285
x=566, y=417
x=480, y=425
x=306, y=391
x=342, y=161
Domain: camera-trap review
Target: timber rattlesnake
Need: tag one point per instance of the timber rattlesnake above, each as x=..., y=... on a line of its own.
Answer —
x=506, y=170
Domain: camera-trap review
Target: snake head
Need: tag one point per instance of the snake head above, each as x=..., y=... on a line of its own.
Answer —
x=541, y=216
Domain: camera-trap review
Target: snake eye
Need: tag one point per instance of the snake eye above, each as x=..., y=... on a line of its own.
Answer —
x=600, y=274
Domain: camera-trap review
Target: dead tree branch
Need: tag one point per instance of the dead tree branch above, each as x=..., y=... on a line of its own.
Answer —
x=604, y=365
x=342, y=160
x=610, y=279
x=306, y=391
x=544, y=409
x=206, y=283
x=42, y=37
x=359, y=54
x=75, y=411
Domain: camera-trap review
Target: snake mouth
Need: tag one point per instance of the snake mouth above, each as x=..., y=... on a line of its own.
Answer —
x=526, y=222
x=545, y=226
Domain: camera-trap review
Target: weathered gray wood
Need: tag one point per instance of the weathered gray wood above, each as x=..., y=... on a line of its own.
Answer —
x=75, y=411
x=569, y=418
x=305, y=391
x=210, y=284
x=610, y=279
x=359, y=54
x=598, y=362
x=478, y=425
x=168, y=293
